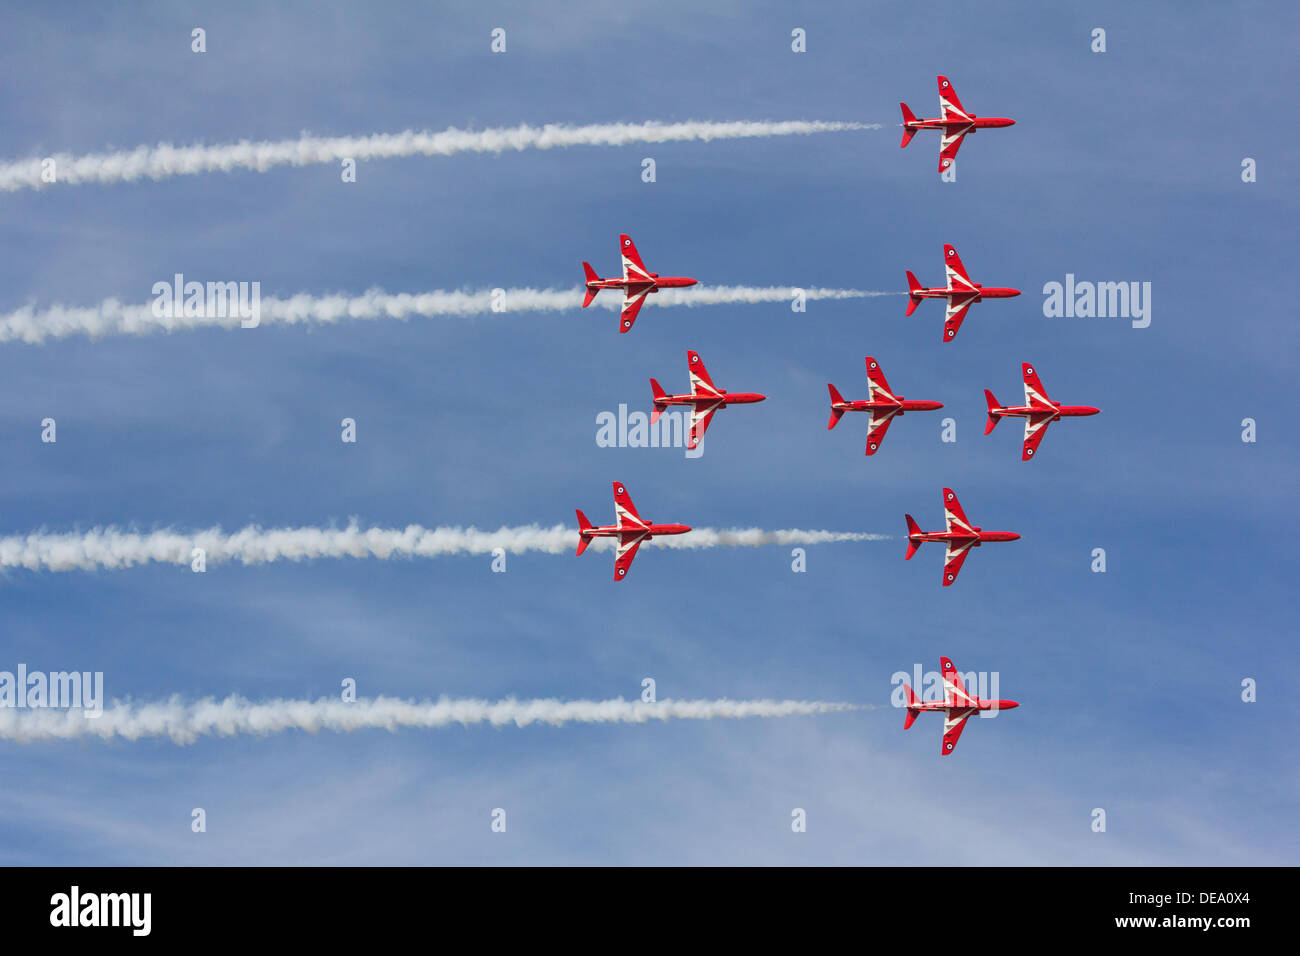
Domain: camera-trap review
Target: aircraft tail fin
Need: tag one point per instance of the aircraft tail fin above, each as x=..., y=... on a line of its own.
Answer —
x=912, y=544
x=913, y=286
x=912, y=709
x=836, y=399
x=660, y=404
x=994, y=418
x=591, y=277
x=584, y=526
x=908, y=132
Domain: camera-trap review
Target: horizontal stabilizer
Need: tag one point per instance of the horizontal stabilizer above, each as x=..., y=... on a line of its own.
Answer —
x=908, y=132
x=994, y=418
x=584, y=526
x=912, y=544
x=836, y=399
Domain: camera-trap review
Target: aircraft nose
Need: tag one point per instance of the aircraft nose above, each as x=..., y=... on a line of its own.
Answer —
x=1008, y=704
x=1014, y=537
x=1013, y=293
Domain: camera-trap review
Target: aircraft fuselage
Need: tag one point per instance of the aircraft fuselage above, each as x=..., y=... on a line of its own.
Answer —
x=727, y=398
x=1059, y=411
x=614, y=531
x=636, y=285
x=982, y=292
x=951, y=711
x=903, y=405
x=955, y=125
x=977, y=535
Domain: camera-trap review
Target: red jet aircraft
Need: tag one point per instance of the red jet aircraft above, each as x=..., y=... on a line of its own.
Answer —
x=705, y=398
x=1039, y=411
x=629, y=527
x=883, y=405
x=957, y=706
x=954, y=121
x=960, y=536
x=637, y=283
x=960, y=292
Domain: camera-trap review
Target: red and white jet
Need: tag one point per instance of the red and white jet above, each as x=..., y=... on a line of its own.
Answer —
x=629, y=527
x=953, y=120
x=637, y=283
x=1039, y=411
x=957, y=705
x=960, y=536
x=705, y=398
x=883, y=405
x=960, y=292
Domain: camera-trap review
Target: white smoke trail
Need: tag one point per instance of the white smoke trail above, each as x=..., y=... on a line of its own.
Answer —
x=165, y=160
x=184, y=722
x=112, y=317
x=110, y=548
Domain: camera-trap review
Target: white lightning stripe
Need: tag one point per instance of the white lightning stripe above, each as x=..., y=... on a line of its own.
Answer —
x=165, y=160
x=185, y=722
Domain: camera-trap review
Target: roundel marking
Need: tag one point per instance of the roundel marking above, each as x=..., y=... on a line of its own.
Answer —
x=694, y=359
x=945, y=84
x=620, y=489
x=1029, y=452
x=622, y=571
x=873, y=364
x=950, y=251
x=947, y=163
x=950, y=496
x=950, y=577
x=873, y=446
x=1029, y=370
x=627, y=242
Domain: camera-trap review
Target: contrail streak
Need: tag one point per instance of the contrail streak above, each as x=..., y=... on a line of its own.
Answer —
x=184, y=723
x=112, y=317
x=111, y=548
x=165, y=160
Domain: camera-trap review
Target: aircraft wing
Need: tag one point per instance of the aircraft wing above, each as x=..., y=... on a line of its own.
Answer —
x=1035, y=394
x=880, y=419
x=701, y=415
x=627, y=545
x=959, y=279
x=1035, y=430
x=624, y=511
x=954, y=515
x=700, y=380
x=958, y=306
x=956, y=557
x=954, y=690
x=633, y=267
x=632, y=302
x=950, y=107
x=954, y=722
x=949, y=144
x=877, y=386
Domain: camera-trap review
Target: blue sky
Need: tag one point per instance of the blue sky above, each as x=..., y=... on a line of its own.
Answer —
x=1122, y=166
